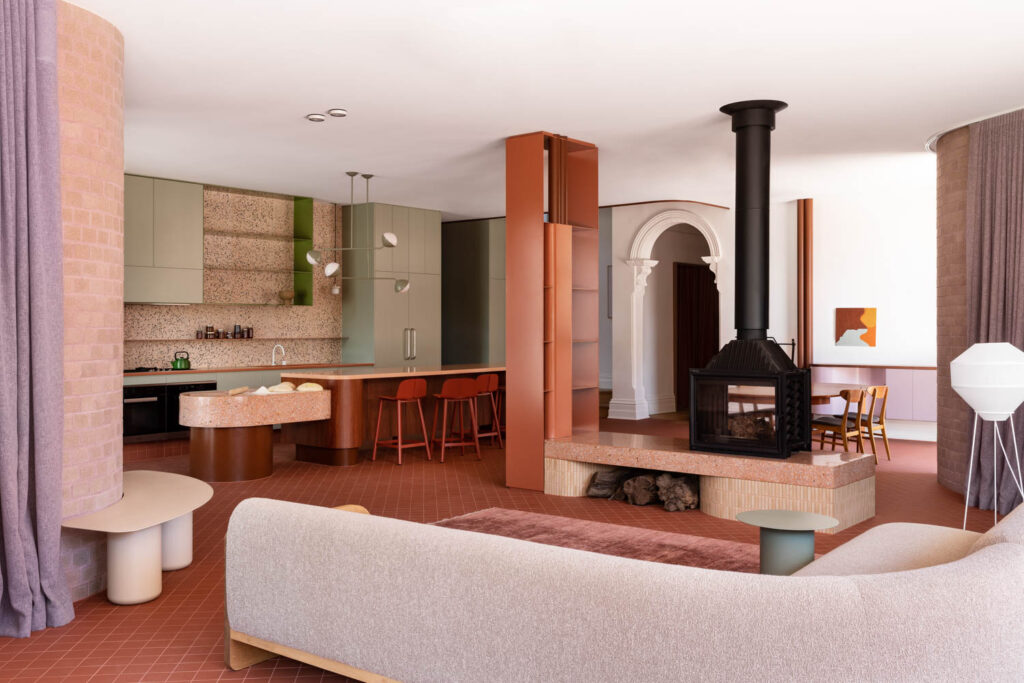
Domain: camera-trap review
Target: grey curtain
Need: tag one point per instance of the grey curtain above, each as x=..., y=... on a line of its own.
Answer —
x=33, y=590
x=995, y=275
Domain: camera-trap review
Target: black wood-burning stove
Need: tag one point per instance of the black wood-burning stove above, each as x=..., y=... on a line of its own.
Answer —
x=751, y=399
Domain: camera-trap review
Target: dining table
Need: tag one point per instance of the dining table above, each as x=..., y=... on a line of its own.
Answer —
x=822, y=393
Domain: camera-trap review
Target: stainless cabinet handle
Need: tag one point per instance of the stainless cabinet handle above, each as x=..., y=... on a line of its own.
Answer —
x=406, y=344
x=147, y=399
x=413, y=344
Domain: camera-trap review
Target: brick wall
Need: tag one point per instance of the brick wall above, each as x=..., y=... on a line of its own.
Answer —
x=954, y=417
x=90, y=55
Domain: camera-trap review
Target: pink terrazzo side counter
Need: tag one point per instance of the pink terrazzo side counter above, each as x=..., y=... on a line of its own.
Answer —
x=231, y=437
x=217, y=409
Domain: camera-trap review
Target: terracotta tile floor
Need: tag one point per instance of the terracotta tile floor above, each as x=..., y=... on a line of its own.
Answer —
x=178, y=636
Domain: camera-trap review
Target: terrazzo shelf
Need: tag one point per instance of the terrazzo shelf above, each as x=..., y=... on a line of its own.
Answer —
x=231, y=437
x=840, y=485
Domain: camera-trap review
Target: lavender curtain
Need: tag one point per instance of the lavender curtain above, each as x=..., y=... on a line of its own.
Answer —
x=995, y=276
x=33, y=590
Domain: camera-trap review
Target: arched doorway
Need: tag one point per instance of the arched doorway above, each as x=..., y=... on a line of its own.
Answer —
x=642, y=264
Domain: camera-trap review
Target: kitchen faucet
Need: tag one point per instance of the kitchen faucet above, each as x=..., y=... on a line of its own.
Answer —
x=273, y=355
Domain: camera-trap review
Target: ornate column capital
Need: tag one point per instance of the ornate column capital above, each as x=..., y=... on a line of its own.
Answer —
x=712, y=262
x=642, y=268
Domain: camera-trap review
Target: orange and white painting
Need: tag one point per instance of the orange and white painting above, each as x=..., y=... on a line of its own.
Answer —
x=855, y=326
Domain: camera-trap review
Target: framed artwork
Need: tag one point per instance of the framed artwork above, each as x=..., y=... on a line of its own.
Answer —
x=855, y=326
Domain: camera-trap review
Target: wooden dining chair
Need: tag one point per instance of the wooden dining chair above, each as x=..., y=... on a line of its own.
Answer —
x=872, y=422
x=845, y=426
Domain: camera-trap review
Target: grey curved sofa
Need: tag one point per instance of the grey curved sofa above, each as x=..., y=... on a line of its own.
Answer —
x=381, y=599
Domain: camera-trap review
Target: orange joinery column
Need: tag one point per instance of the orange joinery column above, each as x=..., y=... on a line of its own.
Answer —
x=524, y=311
x=551, y=272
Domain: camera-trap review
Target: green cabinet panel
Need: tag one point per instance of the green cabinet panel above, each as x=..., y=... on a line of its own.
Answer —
x=149, y=285
x=138, y=221
x=302, y=270
x=163, y=240
x=177, y=224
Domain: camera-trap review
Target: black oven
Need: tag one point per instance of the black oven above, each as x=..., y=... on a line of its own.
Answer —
x=151, y=410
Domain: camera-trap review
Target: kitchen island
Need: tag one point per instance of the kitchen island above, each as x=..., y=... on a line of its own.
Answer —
x=354, y=395
x=231, y=435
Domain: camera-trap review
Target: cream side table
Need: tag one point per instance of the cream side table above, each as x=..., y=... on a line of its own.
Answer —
x=148, y=531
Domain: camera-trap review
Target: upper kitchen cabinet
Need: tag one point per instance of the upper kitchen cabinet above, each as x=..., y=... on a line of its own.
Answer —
x=419, y=239
x=177, y=224
x=163, y=237
x=138, y=221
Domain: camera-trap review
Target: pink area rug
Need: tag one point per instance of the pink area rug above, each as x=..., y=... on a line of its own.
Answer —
x=611, y=539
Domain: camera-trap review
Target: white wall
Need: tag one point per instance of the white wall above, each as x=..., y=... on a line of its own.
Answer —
x=626, y=221
x=678, y=245
x=874, y=246
x=782, y=271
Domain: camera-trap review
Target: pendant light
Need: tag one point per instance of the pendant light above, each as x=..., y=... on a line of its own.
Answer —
x=388, y=240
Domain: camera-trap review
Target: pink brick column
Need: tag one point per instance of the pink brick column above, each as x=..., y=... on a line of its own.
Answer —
x=90, y=54
x=954, y=417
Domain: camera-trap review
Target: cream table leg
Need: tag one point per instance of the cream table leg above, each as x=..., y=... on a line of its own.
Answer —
x=133, y=566
x=177, y=542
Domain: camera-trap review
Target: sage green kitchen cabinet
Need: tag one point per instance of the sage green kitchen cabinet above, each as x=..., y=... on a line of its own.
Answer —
x=177, y=224
x=163, y=237
x=390, y=323
x=392, y=329
x=425, y=318
x=163, y=285
x=407, y=329
x=138, y=221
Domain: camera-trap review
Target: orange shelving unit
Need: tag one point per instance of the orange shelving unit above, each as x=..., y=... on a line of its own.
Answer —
x=551, y=298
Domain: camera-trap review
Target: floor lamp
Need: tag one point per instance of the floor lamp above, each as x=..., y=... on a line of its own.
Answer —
x=990, y=378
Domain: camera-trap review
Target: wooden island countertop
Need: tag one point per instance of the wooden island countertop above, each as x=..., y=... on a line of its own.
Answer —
x=373, y=372
x=355, y=392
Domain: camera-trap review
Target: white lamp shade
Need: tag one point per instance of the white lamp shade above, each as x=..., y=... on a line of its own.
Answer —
x=389, y=240
x=990, y=378
x=401, y=286
x=331, y=268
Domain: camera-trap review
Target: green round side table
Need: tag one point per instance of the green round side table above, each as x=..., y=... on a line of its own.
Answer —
x=787, y=537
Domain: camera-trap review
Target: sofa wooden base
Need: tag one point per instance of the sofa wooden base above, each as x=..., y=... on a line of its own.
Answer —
x=242, y=650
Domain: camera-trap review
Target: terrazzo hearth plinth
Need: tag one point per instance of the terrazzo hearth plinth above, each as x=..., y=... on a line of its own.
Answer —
x=840, y=485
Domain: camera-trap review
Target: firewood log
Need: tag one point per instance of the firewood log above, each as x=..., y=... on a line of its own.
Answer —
x=609, y=483
x=641, y=490
x=679, y=492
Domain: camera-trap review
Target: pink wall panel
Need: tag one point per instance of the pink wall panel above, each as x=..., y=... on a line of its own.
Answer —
x=925, y=395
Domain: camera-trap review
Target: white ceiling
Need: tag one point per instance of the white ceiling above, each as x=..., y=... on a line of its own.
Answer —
x=216, y=91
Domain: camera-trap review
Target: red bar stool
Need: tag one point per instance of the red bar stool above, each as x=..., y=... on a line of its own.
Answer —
x=460, y=392
x=409, y=391
x=487, y=387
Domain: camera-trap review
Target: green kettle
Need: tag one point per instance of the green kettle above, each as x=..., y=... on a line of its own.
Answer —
x=180, y=361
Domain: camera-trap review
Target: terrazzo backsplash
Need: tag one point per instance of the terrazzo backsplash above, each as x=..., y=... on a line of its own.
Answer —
x=247, y=260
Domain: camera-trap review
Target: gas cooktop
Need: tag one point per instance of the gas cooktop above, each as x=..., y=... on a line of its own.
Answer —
x=140, y=369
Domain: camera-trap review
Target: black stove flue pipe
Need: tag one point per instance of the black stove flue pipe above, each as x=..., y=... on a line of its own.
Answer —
x=753, y=122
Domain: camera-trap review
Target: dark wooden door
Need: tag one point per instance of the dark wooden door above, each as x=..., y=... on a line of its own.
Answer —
x=696, y=324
